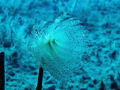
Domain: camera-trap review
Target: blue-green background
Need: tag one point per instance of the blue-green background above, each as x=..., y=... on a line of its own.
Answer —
x=100, y=17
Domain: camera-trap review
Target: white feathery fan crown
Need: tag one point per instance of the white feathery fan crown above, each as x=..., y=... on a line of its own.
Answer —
x=58, y=48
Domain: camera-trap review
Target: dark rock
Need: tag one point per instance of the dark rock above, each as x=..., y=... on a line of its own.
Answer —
x=113, y=55
x=30, y=27
x=27, y=88
x=32, y=67
x=106, y=25
x=109, y=32
x=1, y=11
x=95, y=81
x=7, y=79
x=7, y=44
x=21, y=21
x=113, y=85
x=12, y=74
x=70, y=87
x=46, y=3
x=23, y=83
x=15, y=65
x=13, y=80
x=66, y=0
x=50, y=82
x=51, y=88
x=111, y=78
x=83, y=89
x=15, y=54
x=102, y=86
x=118, y=32
x=86, y=77
x=3, y=19
x=91, y=85
x=47, y=77
x=35, y=73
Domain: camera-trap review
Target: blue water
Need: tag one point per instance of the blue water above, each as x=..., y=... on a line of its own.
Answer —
x=77, y=42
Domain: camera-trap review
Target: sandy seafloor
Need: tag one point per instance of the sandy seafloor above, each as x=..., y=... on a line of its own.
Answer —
x=100, y=17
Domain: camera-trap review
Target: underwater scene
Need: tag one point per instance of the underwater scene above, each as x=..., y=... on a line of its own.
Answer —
x=60, y=44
